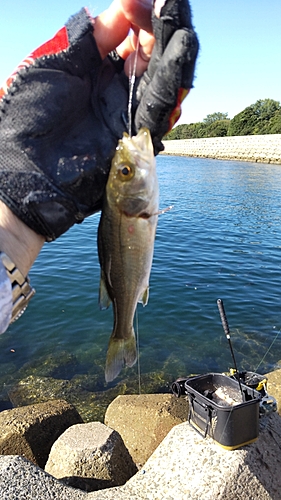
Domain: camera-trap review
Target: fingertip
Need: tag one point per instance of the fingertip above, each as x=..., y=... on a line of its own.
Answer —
x=113, y=25
x=138, y=12
x=158, y=6
x=125, y=48
x=140, y=64
x=110, y=28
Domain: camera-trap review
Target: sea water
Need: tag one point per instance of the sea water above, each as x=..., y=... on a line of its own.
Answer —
x=222, y=239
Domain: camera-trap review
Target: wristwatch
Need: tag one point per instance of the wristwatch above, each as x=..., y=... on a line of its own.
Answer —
x=21, y=289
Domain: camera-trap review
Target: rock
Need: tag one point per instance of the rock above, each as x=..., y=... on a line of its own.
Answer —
x=91, y=405
x=90, y=457
x=187, y=466
x=274, y=387
x=30, y=431
x=60, y=365
x=144, y=420
x=22, y=480
x=34, y=389
x=184, y=466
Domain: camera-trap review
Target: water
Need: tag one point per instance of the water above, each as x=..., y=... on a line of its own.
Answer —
x=221, y=240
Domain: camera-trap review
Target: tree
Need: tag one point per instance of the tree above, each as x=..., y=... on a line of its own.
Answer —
x=275, y=122
x=218, y=128
x=177, y=132
x=214, y=117
x=254, y=119
x=262, y=117
x=197, y=130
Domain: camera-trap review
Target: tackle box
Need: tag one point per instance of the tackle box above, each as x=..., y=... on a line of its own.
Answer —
x=218, y=409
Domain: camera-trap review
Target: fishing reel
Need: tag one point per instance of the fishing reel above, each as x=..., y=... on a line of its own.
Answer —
x=258, y=382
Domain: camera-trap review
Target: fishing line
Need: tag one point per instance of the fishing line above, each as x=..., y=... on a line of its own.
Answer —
x=132, y=79
x=138, y=348
x=164, y=210
x=275, y=338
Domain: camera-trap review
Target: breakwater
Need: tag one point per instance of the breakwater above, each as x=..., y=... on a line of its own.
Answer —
x=255, y=148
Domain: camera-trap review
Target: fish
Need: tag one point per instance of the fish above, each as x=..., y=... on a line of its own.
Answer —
x=126, y=236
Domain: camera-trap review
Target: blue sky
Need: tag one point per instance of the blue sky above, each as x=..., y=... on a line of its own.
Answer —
x=239, y=60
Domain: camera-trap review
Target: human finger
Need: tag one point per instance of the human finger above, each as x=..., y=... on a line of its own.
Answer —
x=136, y=51
x=138, y=12
x=112, y=25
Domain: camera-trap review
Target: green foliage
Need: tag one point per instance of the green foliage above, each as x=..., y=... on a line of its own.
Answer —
x=214, y=117
x=275, y=122
x=177, y=132
x=218, y=128
x=263, y=117
x=215, y=128
x=259, y=118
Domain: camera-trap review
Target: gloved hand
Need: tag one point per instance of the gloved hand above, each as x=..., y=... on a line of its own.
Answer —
x=64, y=110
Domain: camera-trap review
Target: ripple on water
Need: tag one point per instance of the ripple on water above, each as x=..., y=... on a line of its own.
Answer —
x=221, y=239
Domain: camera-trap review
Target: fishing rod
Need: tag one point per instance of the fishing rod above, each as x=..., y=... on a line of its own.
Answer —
x=227, y=334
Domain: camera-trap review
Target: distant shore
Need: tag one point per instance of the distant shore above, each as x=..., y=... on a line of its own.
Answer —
x=255, y=148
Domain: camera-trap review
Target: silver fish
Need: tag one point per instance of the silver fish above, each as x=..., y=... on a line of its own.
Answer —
x=126, y=241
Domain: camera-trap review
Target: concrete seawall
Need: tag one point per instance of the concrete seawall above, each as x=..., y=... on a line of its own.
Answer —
x=256, y=148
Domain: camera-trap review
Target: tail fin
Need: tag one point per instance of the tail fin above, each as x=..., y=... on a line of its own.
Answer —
x=120, y=353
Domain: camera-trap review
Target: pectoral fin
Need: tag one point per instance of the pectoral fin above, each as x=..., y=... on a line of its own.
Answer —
x=104, y=299
x=143, y=298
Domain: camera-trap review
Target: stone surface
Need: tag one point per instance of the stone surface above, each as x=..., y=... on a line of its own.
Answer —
x=188, y=467
x=91, y=457
x=30, y=431
x=22, y=480
x=274, y=387
x=184, y=467
x=144, y=420
x=255, y=148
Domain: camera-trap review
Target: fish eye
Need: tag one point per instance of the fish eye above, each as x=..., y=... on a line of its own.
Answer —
x=126, y=172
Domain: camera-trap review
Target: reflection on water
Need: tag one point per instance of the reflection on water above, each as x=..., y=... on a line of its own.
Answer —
x=221, y=239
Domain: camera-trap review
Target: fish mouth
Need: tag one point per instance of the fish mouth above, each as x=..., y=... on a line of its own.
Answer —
x=145, y=215
x=142, y=215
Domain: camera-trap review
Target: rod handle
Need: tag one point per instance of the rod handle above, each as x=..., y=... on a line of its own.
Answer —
x=223, y=318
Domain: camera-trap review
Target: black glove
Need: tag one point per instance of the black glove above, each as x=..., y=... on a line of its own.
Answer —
x=64, y=110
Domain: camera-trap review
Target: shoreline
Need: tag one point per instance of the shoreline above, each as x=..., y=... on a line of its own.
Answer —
x=87, y=461
x=252, y=148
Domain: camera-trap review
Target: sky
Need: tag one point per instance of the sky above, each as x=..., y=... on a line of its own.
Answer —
x=240, y=47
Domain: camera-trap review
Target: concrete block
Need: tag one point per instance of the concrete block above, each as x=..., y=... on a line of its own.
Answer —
x=91, y=457
x=30, y=431
x=144, y=420
x=274, y=388
x=184, y=466
x=22, y=480
x=255, y=148
x=187, y=466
